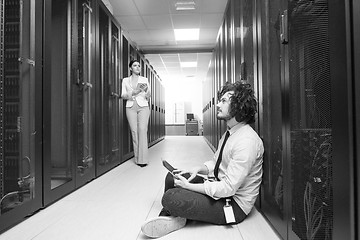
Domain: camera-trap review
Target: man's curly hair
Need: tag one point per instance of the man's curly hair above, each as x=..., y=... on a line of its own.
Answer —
x=243, y=104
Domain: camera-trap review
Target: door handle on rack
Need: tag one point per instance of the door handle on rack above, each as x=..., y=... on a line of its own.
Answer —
x=114, y=94
x=284, y=31
x=27, y=60
x=87, y=84
x=26, y=181
x=86, y=6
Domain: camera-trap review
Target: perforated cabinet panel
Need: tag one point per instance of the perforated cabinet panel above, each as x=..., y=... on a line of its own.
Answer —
x=11, y=95
x=310, y=122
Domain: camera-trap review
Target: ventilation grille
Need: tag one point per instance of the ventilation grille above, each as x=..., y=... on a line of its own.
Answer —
x=310, y=116
x=10, y=89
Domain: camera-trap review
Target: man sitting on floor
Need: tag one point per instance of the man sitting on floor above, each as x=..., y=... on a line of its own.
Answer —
x=234, y=174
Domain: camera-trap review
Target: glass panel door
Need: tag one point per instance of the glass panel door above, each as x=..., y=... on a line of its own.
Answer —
x=114, y=92
x=107, y=96
x=59, y=160
x=310, y=120
x=126, y=137
x=26, y=120
x=104, y=157
x=61, y=166
x=85, y=95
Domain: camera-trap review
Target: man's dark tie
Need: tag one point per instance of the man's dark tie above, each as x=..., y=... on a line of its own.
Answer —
x=216, y=170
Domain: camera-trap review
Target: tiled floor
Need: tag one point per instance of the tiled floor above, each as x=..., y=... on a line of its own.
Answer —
x=116, y=204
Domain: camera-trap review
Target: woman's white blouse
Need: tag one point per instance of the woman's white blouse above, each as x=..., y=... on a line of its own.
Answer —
x=141, y=98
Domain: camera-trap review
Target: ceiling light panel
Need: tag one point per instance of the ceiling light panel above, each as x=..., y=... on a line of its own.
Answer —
x=187, y=34
x=184, y=5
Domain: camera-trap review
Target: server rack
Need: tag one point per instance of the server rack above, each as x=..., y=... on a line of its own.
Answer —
x=127, y=142
x=107, y=92
x=151, y=104
x=150, y=125
x=61, y=118
x=343, y=69
x=59, y=92
x=356, y=62
x=114, y=91
x=20, y=111
x=300, y=58
x=85, y=97
x=273, y=195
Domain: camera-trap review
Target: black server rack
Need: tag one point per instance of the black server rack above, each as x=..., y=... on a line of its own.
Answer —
x=298, y=56
x=150, y=128
x=114, y=91
x=62, y=121
x=356, y=62
x=107, y=92
x=58, y=93
x=20, y=177
x=84, y=91
x=103, y=152
x=126, y=137
x=10, y=104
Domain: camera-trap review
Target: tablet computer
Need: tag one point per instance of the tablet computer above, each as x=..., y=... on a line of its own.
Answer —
x=142, y=86
x=171, y=169
x=168, y=166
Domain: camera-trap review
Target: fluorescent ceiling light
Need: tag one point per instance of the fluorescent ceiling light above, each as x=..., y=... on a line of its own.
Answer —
x=188, y=64
x=185, y=5
x=186, y=34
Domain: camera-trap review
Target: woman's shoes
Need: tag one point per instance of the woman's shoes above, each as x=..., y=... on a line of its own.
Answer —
x=141, y=165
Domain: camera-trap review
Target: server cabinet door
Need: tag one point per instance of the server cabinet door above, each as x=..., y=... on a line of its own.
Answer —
x=126, y=134
x=20, y=158
x=272, y=195
x=310, y=123
x=114, y=110
x=85, y=101
x=59, y=159
x=107, y=153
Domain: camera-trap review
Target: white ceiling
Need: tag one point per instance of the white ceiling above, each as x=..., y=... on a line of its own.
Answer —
x=150, y=25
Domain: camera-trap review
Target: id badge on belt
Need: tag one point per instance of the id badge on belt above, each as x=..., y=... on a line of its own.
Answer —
x=229, y=212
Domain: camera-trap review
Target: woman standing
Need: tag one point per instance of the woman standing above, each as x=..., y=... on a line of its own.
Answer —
x=136, y=90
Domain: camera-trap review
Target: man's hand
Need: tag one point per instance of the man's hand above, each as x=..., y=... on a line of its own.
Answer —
x=180, y=181
x=193, y=172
